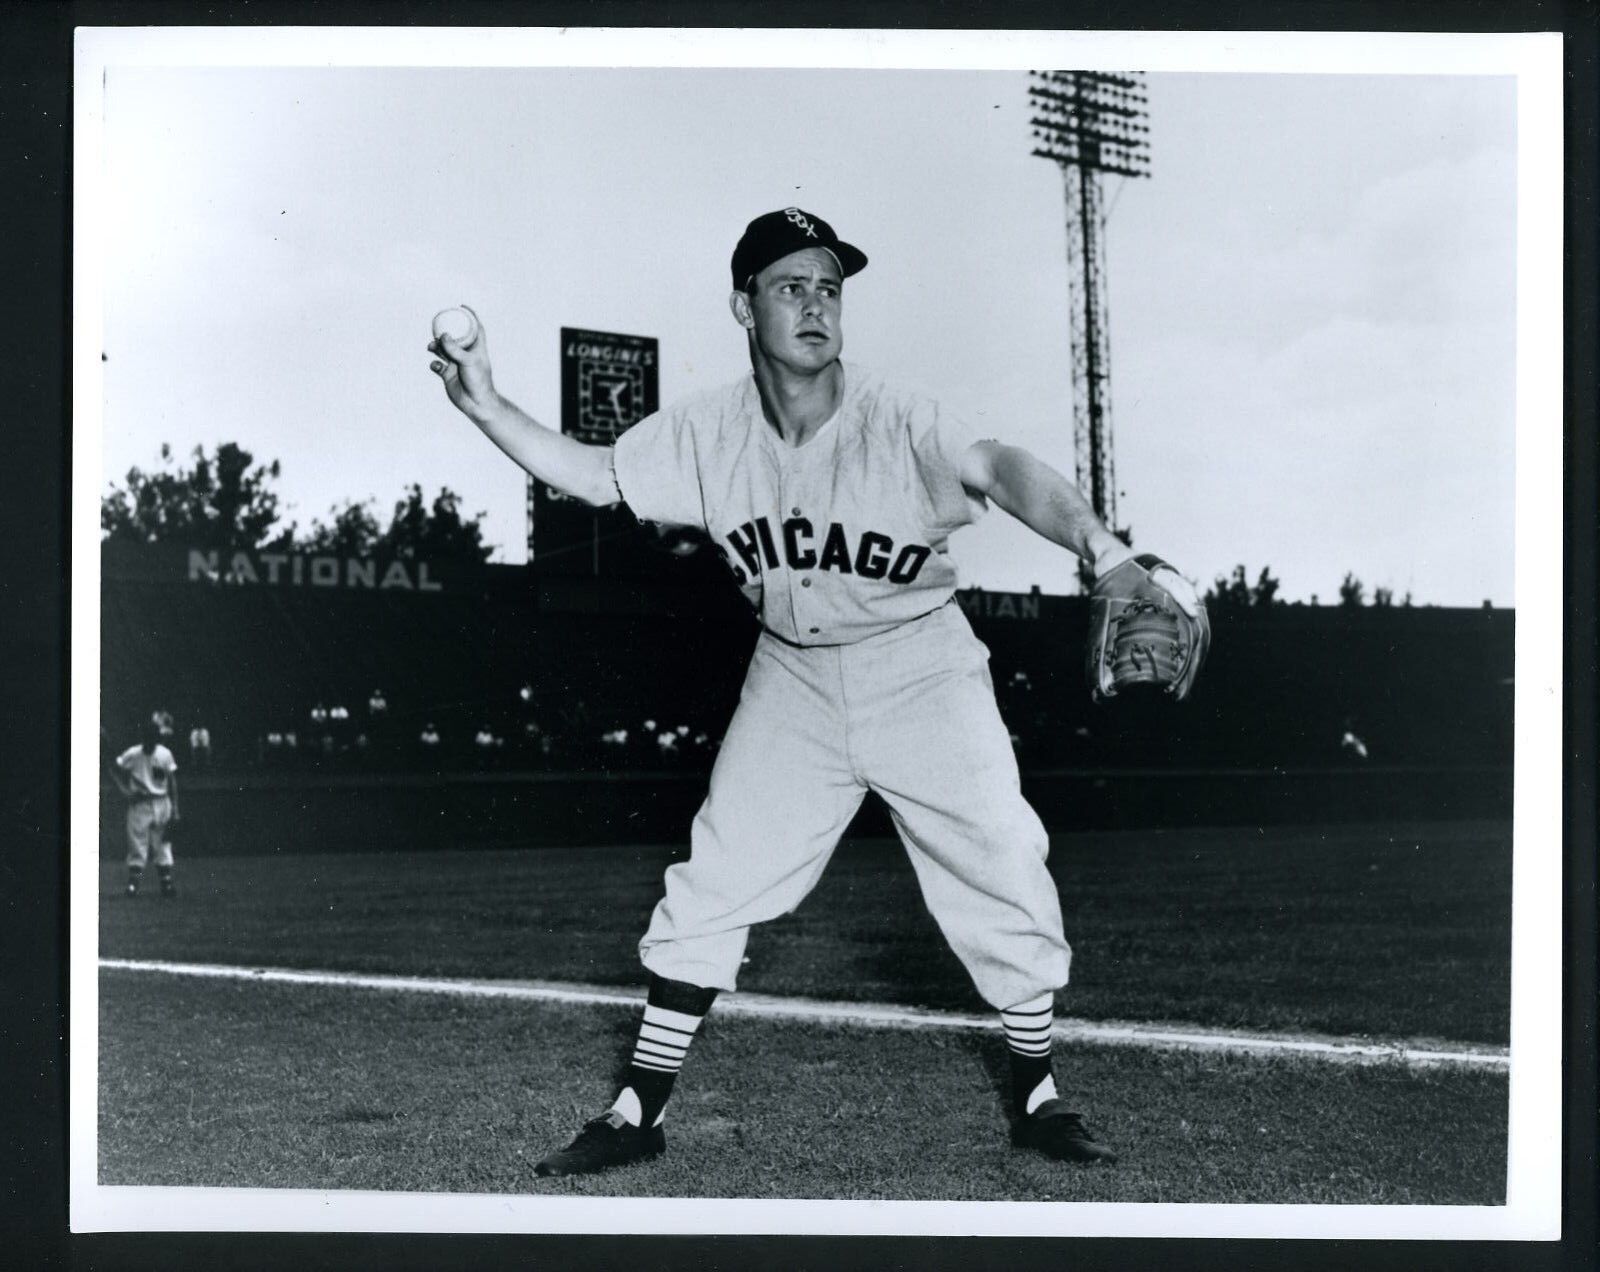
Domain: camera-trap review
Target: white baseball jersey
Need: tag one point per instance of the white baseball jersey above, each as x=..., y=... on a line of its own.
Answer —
x=865, y=677
x=148, y=773
x=833, y=541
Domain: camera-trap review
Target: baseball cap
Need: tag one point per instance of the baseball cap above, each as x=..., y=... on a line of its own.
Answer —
x=773, y=236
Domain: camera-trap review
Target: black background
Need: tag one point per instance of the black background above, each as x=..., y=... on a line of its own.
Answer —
x=35, y=140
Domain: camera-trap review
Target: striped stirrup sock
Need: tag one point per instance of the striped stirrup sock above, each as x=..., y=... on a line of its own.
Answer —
x=664, y=1038
x=1028, y=1029
x=672, y=1016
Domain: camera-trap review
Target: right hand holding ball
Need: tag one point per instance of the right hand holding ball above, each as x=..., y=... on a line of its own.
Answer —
x=461, y=360
x=459, y=324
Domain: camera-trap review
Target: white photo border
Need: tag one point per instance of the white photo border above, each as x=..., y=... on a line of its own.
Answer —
x=1533, y=1202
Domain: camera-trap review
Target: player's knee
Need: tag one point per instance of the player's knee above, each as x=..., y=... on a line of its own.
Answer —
x=1018, y=837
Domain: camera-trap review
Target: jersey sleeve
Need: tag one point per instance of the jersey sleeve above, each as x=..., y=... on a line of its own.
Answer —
x=657, y=470
x=939, y=439
x=125, y=760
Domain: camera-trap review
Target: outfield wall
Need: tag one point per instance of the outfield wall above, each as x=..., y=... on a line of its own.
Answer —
x=1428, y=690
x=1422, y=687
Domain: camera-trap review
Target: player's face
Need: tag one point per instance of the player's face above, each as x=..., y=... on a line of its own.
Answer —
x=794, y=308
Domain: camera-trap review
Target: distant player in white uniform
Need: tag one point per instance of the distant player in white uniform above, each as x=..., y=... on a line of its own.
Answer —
x=831, y=496
x=147, y=776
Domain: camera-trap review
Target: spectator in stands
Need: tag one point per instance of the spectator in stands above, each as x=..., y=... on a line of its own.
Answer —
x=321, y=734
x=339, y=728
x=165, y=730
x=377, y=729
x=534, y=742
x=200, y=747
x=611, y=753
x=1350, y=744
x=429, y=737
x=529, y=735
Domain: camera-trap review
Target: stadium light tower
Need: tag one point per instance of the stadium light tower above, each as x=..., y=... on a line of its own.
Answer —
x=1089, y=123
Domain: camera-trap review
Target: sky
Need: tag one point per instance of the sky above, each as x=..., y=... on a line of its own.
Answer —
x=1312, y=299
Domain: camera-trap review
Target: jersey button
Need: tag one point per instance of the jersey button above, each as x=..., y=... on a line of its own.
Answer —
x=815, y=630
x=805, y=582
x=794, y=512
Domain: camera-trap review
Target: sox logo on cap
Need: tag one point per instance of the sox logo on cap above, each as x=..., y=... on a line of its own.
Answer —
x=799, y=218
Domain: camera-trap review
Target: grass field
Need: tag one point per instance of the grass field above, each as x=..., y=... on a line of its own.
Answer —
x=1391, y=933
x=248, y=1085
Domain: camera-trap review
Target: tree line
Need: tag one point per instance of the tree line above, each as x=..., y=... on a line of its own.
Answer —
x=225, y=499
x=1235, y=592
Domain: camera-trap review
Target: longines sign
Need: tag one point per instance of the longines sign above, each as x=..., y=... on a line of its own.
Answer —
x=294, y=569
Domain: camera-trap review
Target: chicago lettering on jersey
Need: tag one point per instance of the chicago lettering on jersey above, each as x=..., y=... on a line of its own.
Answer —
x=796, y=543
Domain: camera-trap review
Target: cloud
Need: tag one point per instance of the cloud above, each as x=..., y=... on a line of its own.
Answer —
x=1344, y=391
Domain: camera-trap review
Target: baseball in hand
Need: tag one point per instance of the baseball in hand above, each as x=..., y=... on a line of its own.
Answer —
x=458, y=324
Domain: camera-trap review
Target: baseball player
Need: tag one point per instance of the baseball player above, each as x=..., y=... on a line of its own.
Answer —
x=147, y=776
x=831, y=496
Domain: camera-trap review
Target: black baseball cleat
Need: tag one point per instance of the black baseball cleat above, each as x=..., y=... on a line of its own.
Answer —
x=606, y=1141
x=168, y=890
x=1058, y=1132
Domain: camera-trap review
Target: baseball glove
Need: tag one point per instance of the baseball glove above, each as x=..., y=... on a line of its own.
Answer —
x=1147, y=626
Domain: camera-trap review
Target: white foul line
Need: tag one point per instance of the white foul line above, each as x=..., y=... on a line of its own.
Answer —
x=864, y=1015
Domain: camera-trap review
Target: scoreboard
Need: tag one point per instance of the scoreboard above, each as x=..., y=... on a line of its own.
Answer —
x=609, y=382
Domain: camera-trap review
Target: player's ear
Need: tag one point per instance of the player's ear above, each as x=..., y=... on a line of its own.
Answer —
x=739, y=302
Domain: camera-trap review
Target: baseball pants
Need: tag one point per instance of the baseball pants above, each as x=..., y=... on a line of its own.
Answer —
x=909, y=713
x=147, y=831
